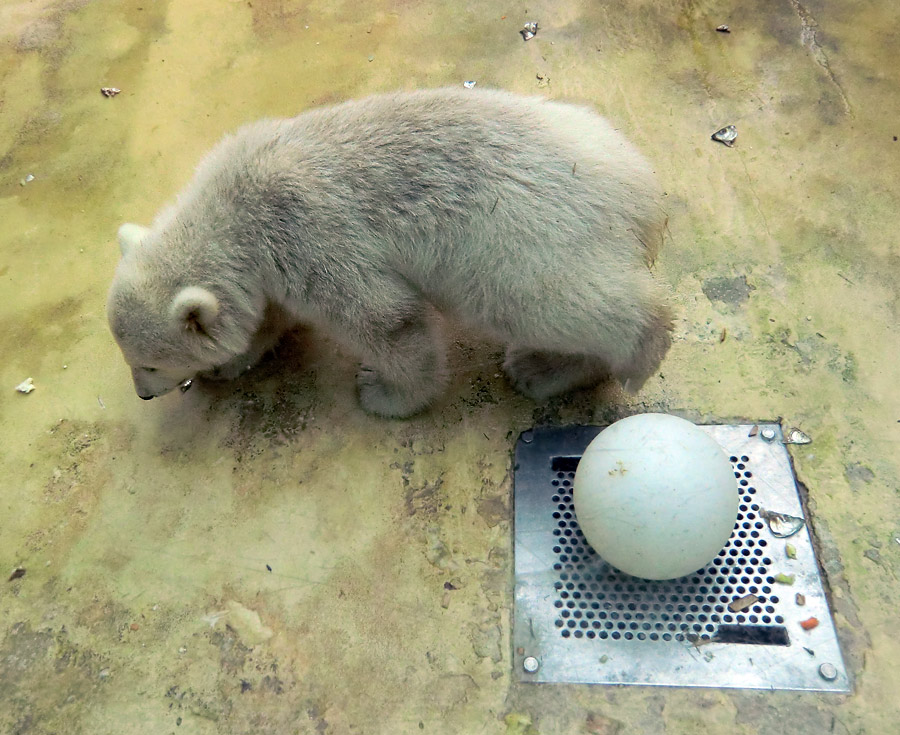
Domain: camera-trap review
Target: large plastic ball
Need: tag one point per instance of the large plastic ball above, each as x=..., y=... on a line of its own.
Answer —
x=655, y=496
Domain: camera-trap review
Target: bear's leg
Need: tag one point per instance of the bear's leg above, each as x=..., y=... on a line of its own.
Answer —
x=649, y=351
x=404, y=364
x=540, y=374
x=275, y=323
x=631, y=353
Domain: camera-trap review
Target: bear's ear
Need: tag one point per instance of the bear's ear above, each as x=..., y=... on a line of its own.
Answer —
x=196, y=310
x=130, y=237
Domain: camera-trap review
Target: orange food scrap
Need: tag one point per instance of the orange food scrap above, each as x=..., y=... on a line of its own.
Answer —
x=809, y=623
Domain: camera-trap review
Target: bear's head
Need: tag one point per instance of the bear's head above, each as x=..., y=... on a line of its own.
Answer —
x=168, y=326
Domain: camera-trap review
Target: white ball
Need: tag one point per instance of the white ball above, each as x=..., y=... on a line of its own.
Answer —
x=655, y=496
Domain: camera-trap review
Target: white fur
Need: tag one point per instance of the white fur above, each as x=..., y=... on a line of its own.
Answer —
x=130, y=236
x=531, y=221
x=196, y=309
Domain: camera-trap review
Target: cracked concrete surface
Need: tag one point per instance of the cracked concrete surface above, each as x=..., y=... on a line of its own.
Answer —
x=809, y=28
x=264, y=558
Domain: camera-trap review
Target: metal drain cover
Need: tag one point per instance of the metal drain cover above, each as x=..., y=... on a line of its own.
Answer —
x=739, y=622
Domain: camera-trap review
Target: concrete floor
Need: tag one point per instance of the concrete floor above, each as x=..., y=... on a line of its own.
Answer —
x=147, y=530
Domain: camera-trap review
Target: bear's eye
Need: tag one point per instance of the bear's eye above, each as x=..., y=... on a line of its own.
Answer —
x=149, y=370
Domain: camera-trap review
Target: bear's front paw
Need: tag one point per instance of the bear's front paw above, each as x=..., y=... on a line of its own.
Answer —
x=381, y=399
x=374, y=395
x=532, y=374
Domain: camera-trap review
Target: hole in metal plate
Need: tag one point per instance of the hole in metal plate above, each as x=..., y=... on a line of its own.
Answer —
x=729, y=624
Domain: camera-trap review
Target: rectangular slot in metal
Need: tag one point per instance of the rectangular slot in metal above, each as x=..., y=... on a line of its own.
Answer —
x=760, y=635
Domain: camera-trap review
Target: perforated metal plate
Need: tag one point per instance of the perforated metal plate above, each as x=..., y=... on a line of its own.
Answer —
x=734, y=623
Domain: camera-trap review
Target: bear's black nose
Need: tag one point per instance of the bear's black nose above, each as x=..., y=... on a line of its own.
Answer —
x=145, y=398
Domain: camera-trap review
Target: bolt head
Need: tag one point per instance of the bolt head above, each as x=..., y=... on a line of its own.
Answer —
x=528, y=436
x=768, y=434
x=828, y=671
x=531, y=664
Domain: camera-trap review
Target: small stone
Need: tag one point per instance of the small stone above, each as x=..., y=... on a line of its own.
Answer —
x=872, y=555
x=782, y=525
x=795, y=436
x=529, y=30
x=726, y=135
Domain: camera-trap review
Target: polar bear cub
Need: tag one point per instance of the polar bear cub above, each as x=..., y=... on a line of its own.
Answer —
x=528, y=221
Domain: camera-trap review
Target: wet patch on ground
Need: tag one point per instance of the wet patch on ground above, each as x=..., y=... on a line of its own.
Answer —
x=732, y=291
